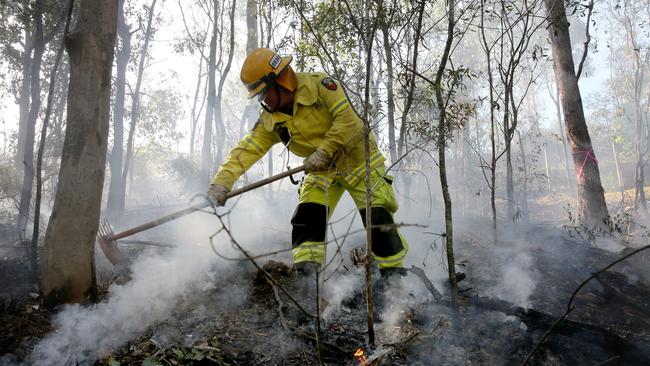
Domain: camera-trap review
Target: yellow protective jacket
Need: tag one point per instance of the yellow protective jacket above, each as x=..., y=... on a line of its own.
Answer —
x=322, y=118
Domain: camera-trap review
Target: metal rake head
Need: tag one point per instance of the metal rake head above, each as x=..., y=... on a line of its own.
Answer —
x=108, y=244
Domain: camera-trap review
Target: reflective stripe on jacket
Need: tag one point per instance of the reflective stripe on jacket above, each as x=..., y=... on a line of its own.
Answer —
x=322, y=118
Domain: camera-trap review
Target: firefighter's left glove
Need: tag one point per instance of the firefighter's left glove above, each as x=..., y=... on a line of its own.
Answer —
x=217, y=194
x=317, y=161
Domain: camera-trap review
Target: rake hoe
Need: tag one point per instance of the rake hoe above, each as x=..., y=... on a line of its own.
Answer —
x=108, y=240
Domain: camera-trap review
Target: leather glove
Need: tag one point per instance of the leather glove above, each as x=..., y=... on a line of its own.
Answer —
x=217, y=194
x=317, y=161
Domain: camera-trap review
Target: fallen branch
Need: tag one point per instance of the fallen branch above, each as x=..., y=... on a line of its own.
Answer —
x=427, y=282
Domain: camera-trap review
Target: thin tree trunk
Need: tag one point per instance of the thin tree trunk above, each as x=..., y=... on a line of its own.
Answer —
x=30, y=132
x=401, y=146
x=68, y=266
x=194, y=115
x=251, y=25
x=390, y=93
x=206, y=154
x=41, y=148
x=548, y=171
x=621, y=185
x=493, y=159
x=221, y=128
x=591, y=199
x=135, y=106
x=442, y=128
x=565, y=149
x=524, y=186
x=24, y=92
x=116, y=190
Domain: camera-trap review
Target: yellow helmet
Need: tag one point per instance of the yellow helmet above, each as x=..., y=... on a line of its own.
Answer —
x=263, y=67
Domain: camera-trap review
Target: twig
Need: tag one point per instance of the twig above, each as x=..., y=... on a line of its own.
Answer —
x=283, y=319
x=570, y=307
x=420, y=273
x=590, y=9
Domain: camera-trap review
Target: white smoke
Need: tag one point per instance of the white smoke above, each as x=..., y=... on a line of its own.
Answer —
x=516, y=280
x=84, y=334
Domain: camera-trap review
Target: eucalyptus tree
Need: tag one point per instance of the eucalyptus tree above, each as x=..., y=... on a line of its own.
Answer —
x=442, y=100
x=68, y=264
x=592, y=208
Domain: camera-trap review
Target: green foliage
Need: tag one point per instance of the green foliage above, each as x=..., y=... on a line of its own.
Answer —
x=458, y=108
x=150, y=361
x=160, y=111
x=186, y=172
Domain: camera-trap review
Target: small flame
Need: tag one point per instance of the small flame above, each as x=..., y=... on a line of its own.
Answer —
x=360, y=355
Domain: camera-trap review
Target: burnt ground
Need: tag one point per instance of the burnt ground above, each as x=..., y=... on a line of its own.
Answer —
x=610, y=324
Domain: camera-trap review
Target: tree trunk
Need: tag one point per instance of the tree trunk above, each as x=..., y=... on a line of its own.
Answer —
x=194, y=115
x=30, y=128
x=524, y=184
x=251, y=25
x=493, y=155
x=68, y=266
x=548, y=171
x=221, y=128
x=23, y=95
x=592, y=208
x=390, y=102
x=116, y=189
x=135, y=107
x=621, y=184
x=41, y=146
x=442, y=135
x=558, y=113
x=401, y=146
x=206, y=153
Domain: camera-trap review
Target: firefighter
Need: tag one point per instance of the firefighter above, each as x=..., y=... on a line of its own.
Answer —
x=311, y=115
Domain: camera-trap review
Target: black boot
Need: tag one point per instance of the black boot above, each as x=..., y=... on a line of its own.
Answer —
x=386, y=287
x=306, y=269
x=304, y=289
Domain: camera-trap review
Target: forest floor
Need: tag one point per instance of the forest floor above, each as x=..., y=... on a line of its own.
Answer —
x=493, y=324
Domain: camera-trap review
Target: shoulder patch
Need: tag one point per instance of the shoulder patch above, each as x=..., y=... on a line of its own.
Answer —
x=329, y=83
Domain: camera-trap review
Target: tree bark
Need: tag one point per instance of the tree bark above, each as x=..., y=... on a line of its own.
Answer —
x=251, y=25
x=442, y=135
x=68, y=266
x=592, y=208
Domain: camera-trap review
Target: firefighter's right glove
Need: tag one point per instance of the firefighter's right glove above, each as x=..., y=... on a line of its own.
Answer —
x=217, y=194
x=317, y=161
